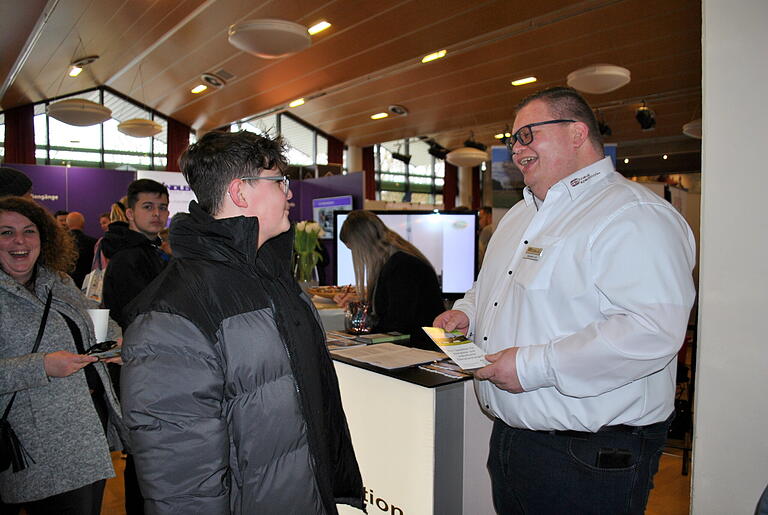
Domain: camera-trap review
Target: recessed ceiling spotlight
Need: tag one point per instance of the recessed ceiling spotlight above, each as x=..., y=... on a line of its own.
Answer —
x=199, y=88
x=74, y=71
x=397, y=110
x=296, y=103
x=213, y=80
x=665, y=156
x=524, y=81
x=626, y=160
x=499, y=135
x=379, y=116
x=434, y=55
x=318, y=27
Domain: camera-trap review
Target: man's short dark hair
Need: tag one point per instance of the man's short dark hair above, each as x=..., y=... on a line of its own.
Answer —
x=567, y=103
x=220, y=157
x=144, y=186
x=60, y=212
x=488, y=210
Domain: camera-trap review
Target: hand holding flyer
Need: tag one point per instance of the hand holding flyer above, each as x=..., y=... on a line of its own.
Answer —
x=460, y=349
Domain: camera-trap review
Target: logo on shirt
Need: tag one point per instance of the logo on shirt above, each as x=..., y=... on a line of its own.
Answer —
x=583, y=178
x=533, y=253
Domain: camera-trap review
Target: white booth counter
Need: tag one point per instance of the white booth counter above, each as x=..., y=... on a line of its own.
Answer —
x=420, y=438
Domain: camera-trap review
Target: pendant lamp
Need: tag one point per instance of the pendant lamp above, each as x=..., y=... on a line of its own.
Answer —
x=269, y=39
x=599, y=78
x=140, y=127
x=693, y=128
x=466, y=157
x=79, y=112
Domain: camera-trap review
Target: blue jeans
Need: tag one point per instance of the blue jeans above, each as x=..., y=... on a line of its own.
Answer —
x=540, y=473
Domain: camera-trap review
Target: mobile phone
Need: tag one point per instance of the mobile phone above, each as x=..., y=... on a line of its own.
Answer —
x=613, y=458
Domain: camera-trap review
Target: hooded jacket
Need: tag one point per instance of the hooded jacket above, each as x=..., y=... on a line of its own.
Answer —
x=134, y=261
x=231, y=398
x=54, y=417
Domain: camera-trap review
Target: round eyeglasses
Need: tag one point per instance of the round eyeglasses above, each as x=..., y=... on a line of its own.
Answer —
x=277, y=178
x=524, y=134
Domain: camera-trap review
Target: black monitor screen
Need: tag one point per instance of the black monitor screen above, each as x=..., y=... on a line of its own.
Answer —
x=447, y=238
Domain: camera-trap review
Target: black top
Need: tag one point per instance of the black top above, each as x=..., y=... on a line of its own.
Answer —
x=85, y=245
x=407, y=297
x=134, y=261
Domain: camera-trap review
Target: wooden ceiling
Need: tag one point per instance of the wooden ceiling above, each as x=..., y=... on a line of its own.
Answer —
x=154, y=51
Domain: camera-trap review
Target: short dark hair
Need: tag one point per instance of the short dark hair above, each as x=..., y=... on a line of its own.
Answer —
x=144, y=186
x=57, y=247
x=220, y=157
x=60, y=212
x=487, y=210
x=567, y=103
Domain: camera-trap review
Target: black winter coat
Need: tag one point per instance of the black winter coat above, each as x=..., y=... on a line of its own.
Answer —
x=134, y=261
x=231, y=398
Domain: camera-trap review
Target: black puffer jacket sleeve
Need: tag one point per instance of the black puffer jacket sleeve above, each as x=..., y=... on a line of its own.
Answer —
x=178, y=434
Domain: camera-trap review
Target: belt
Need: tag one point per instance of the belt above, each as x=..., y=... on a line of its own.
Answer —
x=619, y=428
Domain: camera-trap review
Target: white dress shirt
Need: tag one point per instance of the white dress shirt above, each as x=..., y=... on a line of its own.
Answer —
x=594, y=286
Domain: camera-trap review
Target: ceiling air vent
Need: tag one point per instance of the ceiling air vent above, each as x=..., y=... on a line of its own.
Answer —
x=224, y=74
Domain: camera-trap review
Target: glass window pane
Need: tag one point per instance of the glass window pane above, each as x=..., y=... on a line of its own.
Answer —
x=392, y=196
x=322, y=150
x=421, y=198
x=300, y=140
x=421, y=161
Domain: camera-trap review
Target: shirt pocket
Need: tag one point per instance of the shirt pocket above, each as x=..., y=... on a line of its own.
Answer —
x=538, y=262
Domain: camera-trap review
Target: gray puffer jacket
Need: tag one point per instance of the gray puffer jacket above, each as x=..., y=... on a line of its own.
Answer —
x=54, y=418
x=228, y=390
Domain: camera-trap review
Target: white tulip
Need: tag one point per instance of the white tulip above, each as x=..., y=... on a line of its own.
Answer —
x=300, y=226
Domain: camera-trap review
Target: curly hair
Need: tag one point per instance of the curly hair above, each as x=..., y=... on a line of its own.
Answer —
x=57, y=247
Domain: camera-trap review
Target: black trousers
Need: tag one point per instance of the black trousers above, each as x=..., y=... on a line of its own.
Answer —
x=82, y=501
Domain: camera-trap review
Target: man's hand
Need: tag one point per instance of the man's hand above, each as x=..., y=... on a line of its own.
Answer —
x=63, y=363
x=502, y=371
x=343, y=299
x=453, y=320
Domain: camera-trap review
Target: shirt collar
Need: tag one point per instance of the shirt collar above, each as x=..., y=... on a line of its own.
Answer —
x=583, y=180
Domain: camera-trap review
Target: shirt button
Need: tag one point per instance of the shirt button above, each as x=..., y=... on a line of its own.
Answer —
x=526, y=242
x=495, y=303
x=509, y=273
x=485, y=338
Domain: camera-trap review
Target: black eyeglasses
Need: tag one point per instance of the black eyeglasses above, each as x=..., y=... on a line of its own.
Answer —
x=524, y=134
x=277, y=178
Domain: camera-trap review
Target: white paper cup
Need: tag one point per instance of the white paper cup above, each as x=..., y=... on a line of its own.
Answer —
x=100, y=319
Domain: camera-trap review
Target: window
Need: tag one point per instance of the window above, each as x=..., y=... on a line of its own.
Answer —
x=102, y=145
x=420, y=181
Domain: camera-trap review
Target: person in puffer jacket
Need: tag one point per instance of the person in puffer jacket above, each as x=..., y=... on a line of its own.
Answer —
x=230, y=397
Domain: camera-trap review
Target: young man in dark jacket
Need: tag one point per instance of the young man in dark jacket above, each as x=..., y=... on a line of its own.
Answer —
x=135, y=259
x=229, y=393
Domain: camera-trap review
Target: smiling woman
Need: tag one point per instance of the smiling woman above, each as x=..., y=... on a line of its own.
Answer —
x=66, y=416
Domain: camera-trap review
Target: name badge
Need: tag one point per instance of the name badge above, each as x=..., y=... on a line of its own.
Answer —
x=533, y=253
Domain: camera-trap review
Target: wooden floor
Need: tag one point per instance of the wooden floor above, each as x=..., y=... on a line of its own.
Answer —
x=670, y=496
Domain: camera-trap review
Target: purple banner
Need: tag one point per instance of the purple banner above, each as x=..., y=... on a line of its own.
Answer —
x=90, y=191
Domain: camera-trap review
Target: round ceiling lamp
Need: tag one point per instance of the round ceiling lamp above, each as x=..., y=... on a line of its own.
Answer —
x=466, y=157
x=693, y=128
x=599, y=78
x=140, y=128
x=269, y=39
x=79, y=112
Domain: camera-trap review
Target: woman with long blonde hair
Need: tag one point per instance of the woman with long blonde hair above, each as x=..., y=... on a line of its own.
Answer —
x=393, y=276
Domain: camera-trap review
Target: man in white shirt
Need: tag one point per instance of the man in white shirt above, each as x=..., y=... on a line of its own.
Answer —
x=582, y=304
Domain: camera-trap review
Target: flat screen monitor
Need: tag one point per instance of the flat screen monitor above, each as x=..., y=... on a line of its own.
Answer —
x=447, y=238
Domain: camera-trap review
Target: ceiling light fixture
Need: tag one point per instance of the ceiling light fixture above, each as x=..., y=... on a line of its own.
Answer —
x=645, y=117
x=524, y=81
x=140, y=128
x=626, y=160
x=318, y=27
x=269, y=39
x=296, y=103
x=433, y=56
x=665, y=157
x=198, y=89
x=76, y=67
x=599, y=78
x=401, y=157
x=79, y=112
x=693, y=129
x=379, y=116
x=470, y=155
x=436, y=149
x=214, y=80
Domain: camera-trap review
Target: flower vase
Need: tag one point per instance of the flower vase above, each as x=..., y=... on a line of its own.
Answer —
x=305, y=271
